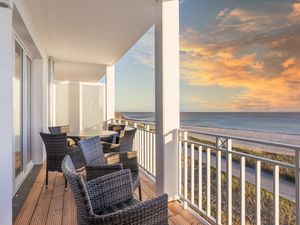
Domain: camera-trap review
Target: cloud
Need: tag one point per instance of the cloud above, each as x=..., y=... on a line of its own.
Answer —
x=295, y=14
x=265, y=63
x=143, y=50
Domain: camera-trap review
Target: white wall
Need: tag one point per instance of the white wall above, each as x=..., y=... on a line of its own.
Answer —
x=26, y=30
x=81, y=105
x=67, y=105
x=6, y=119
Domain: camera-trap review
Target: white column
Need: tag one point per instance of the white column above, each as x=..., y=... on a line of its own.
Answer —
x=110, y=93
x=167, y=96
x=6, y=112
x=51, y=92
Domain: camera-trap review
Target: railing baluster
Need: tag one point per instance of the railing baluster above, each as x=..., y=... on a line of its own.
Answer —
x=145, y=148
x=258, y=190
x=297, y=178
x=276, y=194
x=219, y=180
x=179, y=163
x=192, y=174
x=154, y=154
x=242, y=190
x=208, y=182
x=229, y=181
x=151, y=152
x=200, y=177
x=185, y=169
x=139, y=146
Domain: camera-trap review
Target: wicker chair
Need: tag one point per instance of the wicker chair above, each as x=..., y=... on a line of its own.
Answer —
x=63, y=129
x=116, y=127
x=56, y=149
x=98, y=164
x=59, y=129
x=108, y=200
x=125, y=143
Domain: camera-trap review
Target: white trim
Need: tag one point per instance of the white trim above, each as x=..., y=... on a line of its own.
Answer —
x=26, y=167
x=22, y=176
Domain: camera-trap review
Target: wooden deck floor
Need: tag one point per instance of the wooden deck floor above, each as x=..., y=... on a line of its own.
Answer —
x=55, y=206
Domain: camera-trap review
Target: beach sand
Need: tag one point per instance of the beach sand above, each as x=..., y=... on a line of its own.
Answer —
x=274, y=137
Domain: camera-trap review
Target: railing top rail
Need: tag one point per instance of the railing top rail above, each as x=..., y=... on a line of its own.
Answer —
x=256, y=141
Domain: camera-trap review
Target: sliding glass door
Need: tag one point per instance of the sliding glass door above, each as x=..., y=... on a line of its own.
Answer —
x=17, y=109
x=21, y=113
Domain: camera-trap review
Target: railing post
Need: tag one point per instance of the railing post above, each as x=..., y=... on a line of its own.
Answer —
x=179, y=162
x=297, y=176
x=136, y=140
x=147, y=147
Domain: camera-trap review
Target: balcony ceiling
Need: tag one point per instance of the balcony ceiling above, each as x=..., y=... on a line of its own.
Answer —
x=93, y=31
x=86, y=72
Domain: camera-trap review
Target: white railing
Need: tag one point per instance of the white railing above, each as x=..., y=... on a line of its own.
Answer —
x=191, y=161
x=208, y=188
x=144, y=144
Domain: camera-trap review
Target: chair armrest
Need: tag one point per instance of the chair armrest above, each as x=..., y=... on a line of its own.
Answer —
x=110, y=190
x=128, y=160
x=110, y=147
x=93, y=172
x=153, y=211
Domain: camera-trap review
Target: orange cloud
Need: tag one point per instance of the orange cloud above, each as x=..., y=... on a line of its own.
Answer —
x=266, y=69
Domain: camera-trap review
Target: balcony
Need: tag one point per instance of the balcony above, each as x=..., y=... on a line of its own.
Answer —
x=61, y=50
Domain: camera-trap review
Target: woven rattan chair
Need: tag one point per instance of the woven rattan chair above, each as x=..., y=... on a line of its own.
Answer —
x=63, y=129
x=116, y=127
x=59, y=129
x=109, y=200
x=125, y=143
x=56, y=149
x=98, y=164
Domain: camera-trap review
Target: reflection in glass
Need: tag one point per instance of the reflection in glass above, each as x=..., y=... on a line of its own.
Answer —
x=17, y=109
x=28, y=108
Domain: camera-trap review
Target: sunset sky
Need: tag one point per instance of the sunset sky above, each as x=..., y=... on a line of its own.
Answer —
x=235, y=56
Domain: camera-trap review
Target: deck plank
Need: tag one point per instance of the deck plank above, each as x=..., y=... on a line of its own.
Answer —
x=25, y=214
x=55, y=213
x=41, y=212
x=55, y=206
x=69, y=211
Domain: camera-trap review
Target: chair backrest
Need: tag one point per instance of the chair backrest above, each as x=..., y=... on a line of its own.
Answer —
x=116, y=127
x=126, y=142
x=79, y=192
x=56, y=149
x=59, y=129
x=92, y=151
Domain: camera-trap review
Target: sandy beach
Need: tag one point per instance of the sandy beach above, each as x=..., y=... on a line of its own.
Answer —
x=275, y=137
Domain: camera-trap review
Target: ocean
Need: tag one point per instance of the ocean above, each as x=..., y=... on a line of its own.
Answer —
x=272, y=122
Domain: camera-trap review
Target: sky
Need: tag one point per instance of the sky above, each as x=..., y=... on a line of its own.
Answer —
x=235, y=56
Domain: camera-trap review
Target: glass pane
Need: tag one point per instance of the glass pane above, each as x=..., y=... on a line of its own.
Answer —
x=17, y=109
x=28, y=108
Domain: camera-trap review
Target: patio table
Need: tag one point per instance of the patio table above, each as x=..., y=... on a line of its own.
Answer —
x=103, y=134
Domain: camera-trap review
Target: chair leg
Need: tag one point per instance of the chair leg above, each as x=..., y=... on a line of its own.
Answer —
x=47, y=178
x=66, y=184
x=140, y=192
